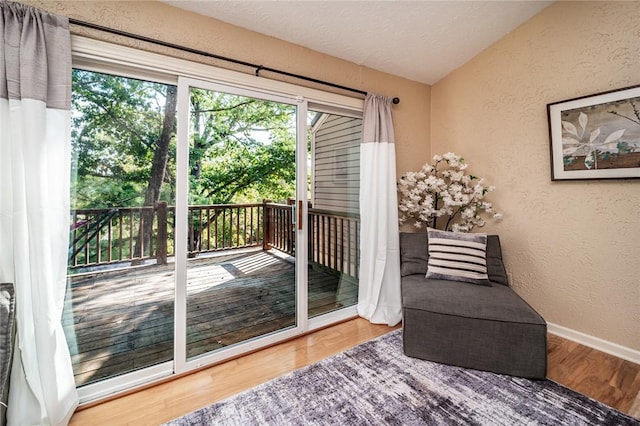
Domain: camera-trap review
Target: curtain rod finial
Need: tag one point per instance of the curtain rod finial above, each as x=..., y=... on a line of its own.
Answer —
x=396, y=101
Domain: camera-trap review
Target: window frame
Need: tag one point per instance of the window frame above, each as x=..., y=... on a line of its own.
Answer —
x=101, y=56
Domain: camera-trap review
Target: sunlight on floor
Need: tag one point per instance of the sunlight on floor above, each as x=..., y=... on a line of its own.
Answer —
x=203, y=278
x=256, y=262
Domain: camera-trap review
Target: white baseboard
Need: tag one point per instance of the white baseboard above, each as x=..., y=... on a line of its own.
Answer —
x=595, y=343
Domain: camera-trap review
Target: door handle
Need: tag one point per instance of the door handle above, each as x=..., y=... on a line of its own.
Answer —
x=300, y=215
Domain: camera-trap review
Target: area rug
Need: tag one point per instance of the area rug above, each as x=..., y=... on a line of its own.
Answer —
x=376, y=384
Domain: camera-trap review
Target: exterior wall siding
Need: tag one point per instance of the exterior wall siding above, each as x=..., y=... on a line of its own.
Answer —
x=337, y=164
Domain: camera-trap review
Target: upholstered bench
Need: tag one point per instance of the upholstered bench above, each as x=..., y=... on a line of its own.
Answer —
x=484, y=327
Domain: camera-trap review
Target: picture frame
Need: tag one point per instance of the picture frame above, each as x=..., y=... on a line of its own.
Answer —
x=596, y=136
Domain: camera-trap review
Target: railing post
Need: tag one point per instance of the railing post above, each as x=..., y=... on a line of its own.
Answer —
x=161, y=243
x=266, y=225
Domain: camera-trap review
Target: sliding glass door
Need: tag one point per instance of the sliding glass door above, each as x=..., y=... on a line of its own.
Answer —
x=119, y=311
x=334, y=212
x=241, y=185
x=208, y=220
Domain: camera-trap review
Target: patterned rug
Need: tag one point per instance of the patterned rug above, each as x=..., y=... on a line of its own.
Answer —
x=376, y=384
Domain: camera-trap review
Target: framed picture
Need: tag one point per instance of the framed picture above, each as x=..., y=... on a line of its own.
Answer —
x=597, y=136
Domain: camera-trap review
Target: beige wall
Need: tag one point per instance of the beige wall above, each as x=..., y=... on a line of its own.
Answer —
x=573, y=248
x=160, y=21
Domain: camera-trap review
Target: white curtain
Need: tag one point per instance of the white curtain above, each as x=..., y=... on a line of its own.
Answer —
x=379, y=298
x=35, y=99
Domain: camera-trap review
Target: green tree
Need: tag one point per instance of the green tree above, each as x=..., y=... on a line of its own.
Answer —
x=123, y=140
x=118, y=127
x=228, y=162
x=123, y=134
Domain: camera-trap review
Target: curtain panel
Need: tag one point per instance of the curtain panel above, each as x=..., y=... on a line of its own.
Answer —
x=379, y=298
x=35, y=99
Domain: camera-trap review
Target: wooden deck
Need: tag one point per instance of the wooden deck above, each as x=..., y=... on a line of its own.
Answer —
x=123, y=321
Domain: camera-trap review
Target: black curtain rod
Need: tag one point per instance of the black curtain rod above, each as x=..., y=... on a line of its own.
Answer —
x=257, y=68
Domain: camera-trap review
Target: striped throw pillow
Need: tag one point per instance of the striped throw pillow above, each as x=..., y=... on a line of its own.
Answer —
x=457, y=256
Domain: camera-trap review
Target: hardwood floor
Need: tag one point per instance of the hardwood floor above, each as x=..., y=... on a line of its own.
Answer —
x=601, y=376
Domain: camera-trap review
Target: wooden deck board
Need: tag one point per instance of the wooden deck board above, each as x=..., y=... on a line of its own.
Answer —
x=123, y=321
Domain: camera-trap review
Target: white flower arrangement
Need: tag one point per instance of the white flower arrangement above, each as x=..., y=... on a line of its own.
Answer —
x=444, y=190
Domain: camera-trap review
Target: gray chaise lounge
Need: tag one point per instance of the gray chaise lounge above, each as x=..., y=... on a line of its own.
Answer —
x=469, y=325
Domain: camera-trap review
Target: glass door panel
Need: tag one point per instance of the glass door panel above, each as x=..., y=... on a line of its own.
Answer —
x=241, y=235
x=119, y=312
x=334, y=217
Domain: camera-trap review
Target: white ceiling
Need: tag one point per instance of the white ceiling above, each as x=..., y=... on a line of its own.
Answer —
x=419, y=40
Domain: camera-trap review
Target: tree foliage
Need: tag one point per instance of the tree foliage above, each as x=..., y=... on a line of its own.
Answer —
x=242, y=149
x=228, y=161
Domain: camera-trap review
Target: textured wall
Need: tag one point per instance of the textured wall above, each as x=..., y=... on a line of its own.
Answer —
x=573, y=248
x=160, y=21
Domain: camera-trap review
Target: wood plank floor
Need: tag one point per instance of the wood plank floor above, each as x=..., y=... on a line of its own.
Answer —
x=608, y=379
x=601, y=376
x=123, y=321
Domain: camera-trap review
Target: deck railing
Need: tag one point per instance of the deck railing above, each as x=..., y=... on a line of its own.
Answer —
x=279, y=227
x=107, y=236
x=102, y=237
x=225, y=226
x=132, y=235
x=333, y=240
